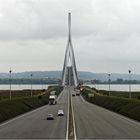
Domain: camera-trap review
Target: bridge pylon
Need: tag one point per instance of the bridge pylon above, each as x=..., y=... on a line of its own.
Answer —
x=69, y=74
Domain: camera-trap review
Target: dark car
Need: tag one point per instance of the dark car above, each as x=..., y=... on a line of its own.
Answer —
x=50, y=117
x=73, y=94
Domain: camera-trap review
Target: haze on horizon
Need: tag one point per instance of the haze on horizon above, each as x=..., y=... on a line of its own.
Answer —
x=105, y=35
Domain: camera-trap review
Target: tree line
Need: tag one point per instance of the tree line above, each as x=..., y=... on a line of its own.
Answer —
x=29, y=81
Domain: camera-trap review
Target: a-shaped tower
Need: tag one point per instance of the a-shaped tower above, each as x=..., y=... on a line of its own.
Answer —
x=69, y=75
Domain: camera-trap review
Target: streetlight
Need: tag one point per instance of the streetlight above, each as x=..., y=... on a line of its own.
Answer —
x=10, y=71
x=129, y=71
x=109, y=83
x=42, y=84
x=31, y=85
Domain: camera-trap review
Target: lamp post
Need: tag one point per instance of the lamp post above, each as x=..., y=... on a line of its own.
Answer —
x=42, y=84
x=31, y=85
x=10, y=94
x=129, y=71
x=109, y=83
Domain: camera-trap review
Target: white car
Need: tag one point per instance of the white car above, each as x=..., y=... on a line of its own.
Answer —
x=60, y=112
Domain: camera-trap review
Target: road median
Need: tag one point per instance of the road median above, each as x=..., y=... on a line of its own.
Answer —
x=71, y=130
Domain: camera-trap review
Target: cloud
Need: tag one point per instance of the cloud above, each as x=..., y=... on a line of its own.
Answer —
x=105, y=34
x=35, y=19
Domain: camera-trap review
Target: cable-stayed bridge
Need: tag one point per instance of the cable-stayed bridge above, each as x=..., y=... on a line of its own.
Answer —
x=81, y=119
x=69, y=75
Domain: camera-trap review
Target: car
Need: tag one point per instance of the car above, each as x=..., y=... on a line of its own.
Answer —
x=50, y=117
x=73, y=94
x=77, y=93
x=60, y=112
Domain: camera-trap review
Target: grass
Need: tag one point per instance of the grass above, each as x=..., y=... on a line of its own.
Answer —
x=124, y=106
x=125, y=94
x=17, y=106
x=4, y=94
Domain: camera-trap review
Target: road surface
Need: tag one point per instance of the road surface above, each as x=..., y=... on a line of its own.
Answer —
x=90, y=121
x=94, y=122
x=35, y=126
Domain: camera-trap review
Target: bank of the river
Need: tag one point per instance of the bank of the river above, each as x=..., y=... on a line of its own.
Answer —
x=19, y=105
x=4, y=94
x=116, y=87
x=25, y=86
x=124, y=106
x=125, y=94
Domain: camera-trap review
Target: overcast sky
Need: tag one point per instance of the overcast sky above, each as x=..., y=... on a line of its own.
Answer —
x=105, y=35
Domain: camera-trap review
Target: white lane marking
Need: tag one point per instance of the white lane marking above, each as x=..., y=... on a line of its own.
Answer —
x=67, y=133
x=117, y=115
x=75, y=137
x=25, y=114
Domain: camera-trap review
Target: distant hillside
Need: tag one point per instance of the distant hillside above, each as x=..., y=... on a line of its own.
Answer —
x=104, y=76
x=83, y=75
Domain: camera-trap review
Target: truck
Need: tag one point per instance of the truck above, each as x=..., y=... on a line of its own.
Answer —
x=77, y=92
x=52, y=100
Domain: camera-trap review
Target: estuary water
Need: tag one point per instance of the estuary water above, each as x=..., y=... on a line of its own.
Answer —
x=117, y=87
x=114, y=87
x=21, y=87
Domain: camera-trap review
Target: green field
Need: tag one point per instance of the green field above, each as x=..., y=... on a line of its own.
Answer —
x=21, y=104
x=125, y=94
x=4, y=94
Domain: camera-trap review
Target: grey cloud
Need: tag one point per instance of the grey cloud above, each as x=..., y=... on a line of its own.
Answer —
x=40, y=19
x=105, y=34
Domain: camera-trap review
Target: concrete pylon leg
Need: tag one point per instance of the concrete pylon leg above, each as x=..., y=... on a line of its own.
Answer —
x=69, y=74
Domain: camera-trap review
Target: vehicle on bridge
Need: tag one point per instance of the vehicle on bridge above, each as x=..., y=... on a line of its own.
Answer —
x=81, y=89
x=50, y=117
x=73, y=94
x=52, y=100
x=60, y=112
x=77, y=92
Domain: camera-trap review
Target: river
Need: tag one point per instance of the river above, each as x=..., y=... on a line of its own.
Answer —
x=117, y=87
x=114, y=87
x=21, y=87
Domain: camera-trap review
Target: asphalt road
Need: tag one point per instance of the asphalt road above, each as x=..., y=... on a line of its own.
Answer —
x=33, y=125
x=93, y=122
x=90, y=122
